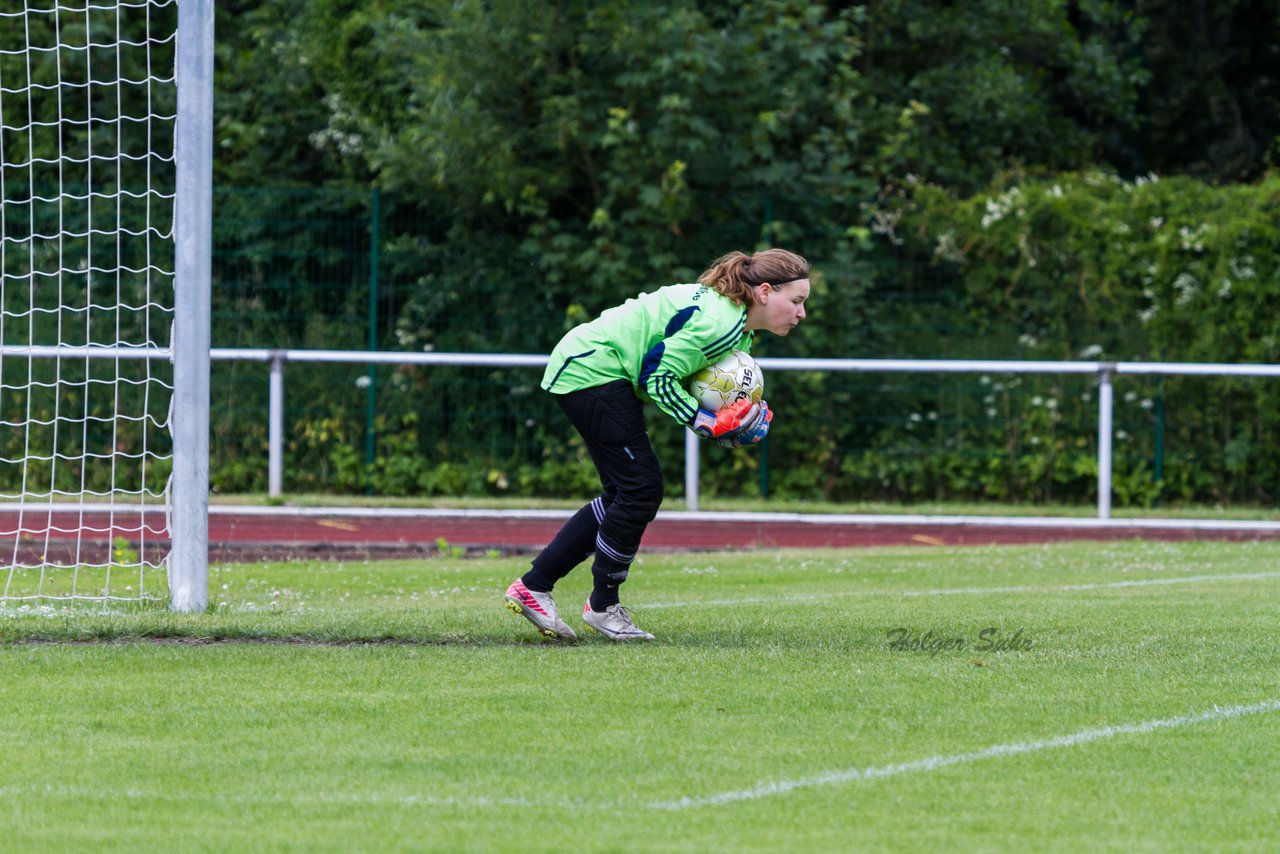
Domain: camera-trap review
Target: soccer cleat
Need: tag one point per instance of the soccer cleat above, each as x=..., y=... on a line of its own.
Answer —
x=613, y=622
x=537, y=608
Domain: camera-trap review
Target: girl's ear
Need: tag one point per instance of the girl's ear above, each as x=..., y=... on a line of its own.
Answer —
x=762, y=292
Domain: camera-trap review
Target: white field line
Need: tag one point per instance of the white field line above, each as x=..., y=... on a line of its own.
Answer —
x=964, y=591
x=763, y=790
x=997, y=751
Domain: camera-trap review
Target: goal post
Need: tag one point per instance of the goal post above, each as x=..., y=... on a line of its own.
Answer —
x=105, y=220
x=189, y=493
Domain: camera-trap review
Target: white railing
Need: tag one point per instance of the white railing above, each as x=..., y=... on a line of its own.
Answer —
x=1104, y=371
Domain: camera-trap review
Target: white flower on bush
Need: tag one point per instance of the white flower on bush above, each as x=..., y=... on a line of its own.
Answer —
x=1193, y=238
x=999, y=208
x=1242, y=268
x=947, y=248
x=1187, y=288
x=1093, y=351
x=1025, y=247
x=993, y=215
x=883, y=223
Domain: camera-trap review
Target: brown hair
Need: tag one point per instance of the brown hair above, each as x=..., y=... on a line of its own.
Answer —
x=736, y=274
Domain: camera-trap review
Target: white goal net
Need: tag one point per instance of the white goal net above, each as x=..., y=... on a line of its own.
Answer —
x=88, y=111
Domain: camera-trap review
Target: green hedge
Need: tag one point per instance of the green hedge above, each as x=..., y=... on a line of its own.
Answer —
x=1071, y=266
x=1091, y=266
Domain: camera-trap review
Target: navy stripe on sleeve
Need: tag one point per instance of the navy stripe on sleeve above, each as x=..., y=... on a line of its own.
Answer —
x=673, y=399
x=566, y=364
x=664, y=388
x=728, y=340
x=682, y=405
x=650, y=362
x=679, y=319
x=714, y=357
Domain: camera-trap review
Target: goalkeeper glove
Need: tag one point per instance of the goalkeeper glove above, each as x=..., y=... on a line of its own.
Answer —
x=754, y=433
x=725, y=426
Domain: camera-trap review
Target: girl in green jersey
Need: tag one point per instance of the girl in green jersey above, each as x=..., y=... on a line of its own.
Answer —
x=644, y=351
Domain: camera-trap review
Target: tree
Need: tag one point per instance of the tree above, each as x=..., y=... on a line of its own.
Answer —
x=969, y=90
x=1212, y=105
x=615, y=145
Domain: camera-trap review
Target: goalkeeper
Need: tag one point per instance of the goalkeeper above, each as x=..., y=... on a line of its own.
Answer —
x=642, y=351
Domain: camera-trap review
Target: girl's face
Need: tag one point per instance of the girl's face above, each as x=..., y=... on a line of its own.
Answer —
x=779, y=309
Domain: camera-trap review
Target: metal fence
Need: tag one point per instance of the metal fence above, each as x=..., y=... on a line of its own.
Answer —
x=1103, y=372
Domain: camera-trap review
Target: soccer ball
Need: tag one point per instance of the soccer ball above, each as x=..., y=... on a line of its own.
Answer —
x=733, y=378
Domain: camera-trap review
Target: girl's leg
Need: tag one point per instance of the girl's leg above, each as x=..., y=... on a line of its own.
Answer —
x=610, y=419
x=573, y=543
x=614, y=432
x=639, y=478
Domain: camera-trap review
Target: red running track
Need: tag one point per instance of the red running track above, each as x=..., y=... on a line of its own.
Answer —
x=250, y=533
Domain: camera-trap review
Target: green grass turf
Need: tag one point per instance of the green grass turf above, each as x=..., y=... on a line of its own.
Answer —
x=398, y=706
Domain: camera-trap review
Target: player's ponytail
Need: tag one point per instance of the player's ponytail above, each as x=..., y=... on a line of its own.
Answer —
x=737, y=274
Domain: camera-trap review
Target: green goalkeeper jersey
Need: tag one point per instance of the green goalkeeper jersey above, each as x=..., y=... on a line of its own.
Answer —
x=656, y=341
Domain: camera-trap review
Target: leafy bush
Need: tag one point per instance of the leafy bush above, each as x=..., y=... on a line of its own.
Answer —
x=1090, y=266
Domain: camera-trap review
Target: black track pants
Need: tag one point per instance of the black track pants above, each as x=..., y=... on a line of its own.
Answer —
x=610, y=419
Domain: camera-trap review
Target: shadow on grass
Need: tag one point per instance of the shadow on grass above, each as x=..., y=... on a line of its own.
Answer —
x=88, y=635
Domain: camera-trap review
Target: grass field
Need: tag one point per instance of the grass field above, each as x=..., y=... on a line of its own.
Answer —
x=795, y=701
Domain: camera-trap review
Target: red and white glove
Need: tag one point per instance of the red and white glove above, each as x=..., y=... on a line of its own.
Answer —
x=754, y=433
x=742, y=423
